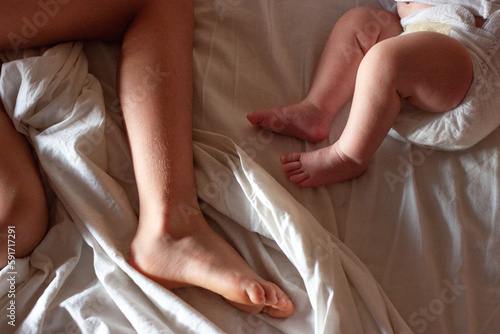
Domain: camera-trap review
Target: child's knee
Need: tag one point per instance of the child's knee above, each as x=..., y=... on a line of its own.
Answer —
x=371, y=25
x=382, y=61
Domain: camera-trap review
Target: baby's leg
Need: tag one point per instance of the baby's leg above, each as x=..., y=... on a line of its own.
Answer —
x=23, y=207
x=430, y=70
x=333, y=83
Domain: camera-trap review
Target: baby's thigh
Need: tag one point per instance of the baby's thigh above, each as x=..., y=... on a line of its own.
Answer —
x=22, y=198
x=434, y=70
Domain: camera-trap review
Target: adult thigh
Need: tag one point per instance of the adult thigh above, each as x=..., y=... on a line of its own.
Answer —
x=32, y=23
x=22, y=198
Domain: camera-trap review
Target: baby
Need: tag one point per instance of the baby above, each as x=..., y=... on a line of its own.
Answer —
x=369, y=58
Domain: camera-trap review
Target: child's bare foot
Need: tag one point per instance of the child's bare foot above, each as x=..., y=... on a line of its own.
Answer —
x=199, y=257
x=321, y=167
x=303, y=120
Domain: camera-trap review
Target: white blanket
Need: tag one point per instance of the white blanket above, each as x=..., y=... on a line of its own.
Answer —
x=424, y=223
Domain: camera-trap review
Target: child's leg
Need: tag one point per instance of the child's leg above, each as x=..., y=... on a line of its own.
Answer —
x=168, y=247
x=430, y=70
x=22, y=197
x=332, y=85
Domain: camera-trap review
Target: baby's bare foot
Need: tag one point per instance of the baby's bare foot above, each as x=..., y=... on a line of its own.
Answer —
x=321, y=167
x=202, y=258
x=302, y=120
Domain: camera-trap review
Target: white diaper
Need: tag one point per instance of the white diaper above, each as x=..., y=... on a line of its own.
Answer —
x=479, y=113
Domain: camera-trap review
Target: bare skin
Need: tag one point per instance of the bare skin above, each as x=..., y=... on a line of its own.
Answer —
x=22, y=199
x=167, y=248
x=365, y=59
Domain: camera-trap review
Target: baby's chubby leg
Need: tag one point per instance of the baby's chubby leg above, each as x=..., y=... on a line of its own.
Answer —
x=332, y=85
x=430, y=70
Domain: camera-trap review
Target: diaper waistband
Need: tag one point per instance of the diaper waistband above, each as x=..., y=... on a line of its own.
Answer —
x=453, y=15
x=428, y=26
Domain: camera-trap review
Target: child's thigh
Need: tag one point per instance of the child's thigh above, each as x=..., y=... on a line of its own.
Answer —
x=432, y=71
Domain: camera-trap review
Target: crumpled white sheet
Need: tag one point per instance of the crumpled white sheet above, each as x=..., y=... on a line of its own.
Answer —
x=424, y=222
x=78, y=277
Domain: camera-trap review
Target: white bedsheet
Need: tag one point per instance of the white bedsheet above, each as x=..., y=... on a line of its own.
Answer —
x=420, y=230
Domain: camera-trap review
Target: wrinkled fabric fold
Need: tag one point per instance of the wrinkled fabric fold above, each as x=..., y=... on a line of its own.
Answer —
x=76, y=141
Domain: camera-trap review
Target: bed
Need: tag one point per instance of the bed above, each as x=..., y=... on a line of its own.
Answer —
x=412, y=246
